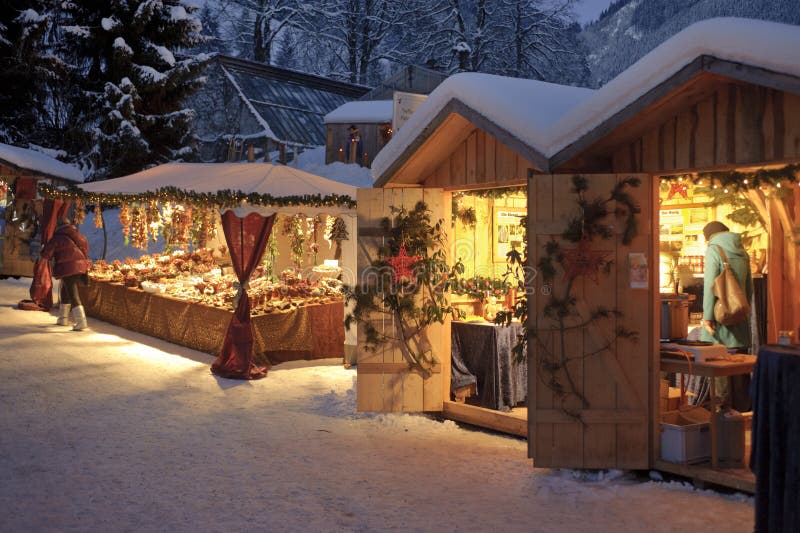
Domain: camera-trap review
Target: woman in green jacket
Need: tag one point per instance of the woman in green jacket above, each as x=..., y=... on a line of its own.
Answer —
x=734, y=336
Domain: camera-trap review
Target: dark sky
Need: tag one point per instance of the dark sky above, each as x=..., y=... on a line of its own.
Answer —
x=589, y=10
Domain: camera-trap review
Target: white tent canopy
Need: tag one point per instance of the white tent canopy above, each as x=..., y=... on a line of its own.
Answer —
x=261, y=178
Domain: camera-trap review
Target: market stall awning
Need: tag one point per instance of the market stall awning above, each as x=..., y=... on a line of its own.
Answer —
x=278, y=181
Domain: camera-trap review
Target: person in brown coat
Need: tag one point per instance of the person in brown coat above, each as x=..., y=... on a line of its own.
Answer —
x=69, y=250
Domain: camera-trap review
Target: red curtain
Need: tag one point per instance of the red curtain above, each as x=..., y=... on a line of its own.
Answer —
x=41, y=290
x=247, y=239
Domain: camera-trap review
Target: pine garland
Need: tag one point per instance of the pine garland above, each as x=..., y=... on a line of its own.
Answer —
x=222, y=198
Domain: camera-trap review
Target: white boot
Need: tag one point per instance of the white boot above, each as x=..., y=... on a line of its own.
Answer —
x=80, y=318
x=63, y=315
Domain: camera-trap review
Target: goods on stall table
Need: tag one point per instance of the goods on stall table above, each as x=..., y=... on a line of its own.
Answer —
x=196, y=277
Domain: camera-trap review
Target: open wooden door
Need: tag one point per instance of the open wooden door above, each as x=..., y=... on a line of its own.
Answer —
x=612, y=428
x=385, y=381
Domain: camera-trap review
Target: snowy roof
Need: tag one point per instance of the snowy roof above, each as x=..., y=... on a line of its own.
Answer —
x=548, y=117
x=362, y=112
x=768, y=45
x=288, y=105
x=39, y=162
x=261, y=178
x=527, y=109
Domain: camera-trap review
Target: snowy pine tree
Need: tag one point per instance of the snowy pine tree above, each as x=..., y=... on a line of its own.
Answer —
x=28, y=111
x=124, y=53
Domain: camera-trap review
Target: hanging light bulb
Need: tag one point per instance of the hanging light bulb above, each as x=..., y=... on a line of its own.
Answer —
x=744, y=181
x=778, y=185
x=725, y=190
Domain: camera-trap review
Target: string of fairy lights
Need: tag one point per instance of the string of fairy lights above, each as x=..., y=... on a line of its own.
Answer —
x=767, y=180
x=222, y=198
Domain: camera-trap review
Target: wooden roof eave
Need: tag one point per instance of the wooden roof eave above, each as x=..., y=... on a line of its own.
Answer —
x=711, y=65
x=456, y=106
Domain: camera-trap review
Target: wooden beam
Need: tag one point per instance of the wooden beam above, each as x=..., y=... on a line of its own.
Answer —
x=486, y=418
x=752, y=74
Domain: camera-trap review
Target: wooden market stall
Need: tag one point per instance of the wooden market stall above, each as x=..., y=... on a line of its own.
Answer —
x=709, y=108
x=21, y=208
x=186, y=294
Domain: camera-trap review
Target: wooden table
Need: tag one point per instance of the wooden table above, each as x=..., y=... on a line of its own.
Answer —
x=736, y=365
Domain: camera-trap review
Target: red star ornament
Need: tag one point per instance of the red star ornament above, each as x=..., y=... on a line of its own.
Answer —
x=402, y=265
x=581, y=261
x=677, y=188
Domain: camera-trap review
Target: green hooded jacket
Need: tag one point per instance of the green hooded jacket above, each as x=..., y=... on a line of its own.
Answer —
x=735, y=335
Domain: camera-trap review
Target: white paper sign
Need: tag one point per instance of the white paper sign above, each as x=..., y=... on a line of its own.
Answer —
x=404, y=106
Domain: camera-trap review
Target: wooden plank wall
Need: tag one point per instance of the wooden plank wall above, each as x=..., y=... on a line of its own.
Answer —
x=384, y=381
x=474, y=245
x=338, y=137
x=736, y=125
x=479, y=161
x=615, y=432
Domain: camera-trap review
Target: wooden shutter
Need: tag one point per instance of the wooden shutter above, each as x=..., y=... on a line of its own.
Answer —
x=614, y=431
x=385, y=381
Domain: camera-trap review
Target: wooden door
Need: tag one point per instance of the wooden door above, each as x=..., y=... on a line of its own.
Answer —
x=385, y=380
x=611, y=428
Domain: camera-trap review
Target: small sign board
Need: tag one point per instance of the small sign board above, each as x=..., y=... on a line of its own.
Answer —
x=404, y=106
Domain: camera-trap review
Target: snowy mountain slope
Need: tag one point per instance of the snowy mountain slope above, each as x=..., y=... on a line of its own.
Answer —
x=631, y=28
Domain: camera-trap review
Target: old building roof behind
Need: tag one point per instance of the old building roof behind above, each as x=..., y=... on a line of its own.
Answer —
x=291, y=104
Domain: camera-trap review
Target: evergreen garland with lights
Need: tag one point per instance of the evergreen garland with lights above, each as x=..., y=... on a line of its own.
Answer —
x=222, y=198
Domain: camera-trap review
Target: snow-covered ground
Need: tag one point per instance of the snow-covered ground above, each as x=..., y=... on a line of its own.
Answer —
x=109, y=430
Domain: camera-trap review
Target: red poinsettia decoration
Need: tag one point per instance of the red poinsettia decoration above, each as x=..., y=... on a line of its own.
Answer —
x=677, y=188
x=402, y=265
x=582, y=261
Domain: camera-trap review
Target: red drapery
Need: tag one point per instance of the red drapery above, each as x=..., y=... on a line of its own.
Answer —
x=247, y=239
x=41, y=290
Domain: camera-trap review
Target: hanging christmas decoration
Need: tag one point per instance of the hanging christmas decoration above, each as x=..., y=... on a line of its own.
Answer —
x=296, y=228
x=153, y=221
x=337, y=233
x=181, y=222
x=403, y=265
x=125, y=222
x=677, y=187
x=138, y=235
x=78, y=212
x=98, y=216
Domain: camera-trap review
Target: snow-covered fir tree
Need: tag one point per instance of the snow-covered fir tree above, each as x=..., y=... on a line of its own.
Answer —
x=124, y=58
x=29, y=111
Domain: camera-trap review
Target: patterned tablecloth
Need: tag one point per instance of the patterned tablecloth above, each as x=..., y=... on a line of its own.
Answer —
x=481, y=354
x=309, y=332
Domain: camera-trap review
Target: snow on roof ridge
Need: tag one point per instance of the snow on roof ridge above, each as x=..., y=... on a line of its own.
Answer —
x=769, y=45
x=37, y=161
x=501, y=99
x=361, y=111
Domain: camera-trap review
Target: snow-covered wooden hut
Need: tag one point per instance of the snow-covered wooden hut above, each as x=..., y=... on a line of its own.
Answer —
x=721, y=96
x=20, y=209
x=358, y=130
